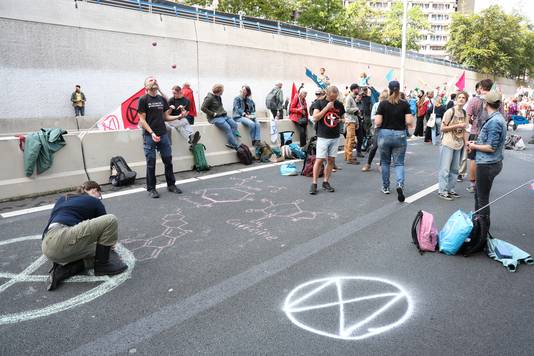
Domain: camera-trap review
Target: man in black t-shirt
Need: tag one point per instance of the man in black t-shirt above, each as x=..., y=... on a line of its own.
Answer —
x=153, y=111
x=327, y=114
x=179, y=107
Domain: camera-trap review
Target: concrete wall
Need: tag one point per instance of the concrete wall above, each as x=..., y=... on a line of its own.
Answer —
x=99, y=146
x=49, y=46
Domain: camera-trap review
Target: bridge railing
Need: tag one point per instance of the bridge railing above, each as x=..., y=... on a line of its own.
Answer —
x=257, y=24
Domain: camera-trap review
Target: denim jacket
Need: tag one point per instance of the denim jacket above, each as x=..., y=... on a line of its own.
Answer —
x=239, y=107
x=493, y=133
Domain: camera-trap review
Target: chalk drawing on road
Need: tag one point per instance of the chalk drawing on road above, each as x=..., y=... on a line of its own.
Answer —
x=107, y=284
x=173, y=229
x=291, y=211
x=244, y=189
x=208, y=198
x=254, y=228
x=348, y=308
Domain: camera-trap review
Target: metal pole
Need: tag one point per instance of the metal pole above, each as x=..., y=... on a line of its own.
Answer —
x=403, y=49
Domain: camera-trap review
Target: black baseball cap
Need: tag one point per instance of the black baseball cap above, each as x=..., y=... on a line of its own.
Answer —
x=394, y=85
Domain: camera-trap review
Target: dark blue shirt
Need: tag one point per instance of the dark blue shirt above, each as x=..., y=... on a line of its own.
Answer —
x=71, y=210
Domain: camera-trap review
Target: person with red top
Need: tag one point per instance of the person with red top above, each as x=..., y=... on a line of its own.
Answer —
x=298, y=113
x=188, y=94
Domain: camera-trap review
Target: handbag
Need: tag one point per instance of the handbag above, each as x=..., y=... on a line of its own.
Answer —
x=303, y=121
x=432, y=119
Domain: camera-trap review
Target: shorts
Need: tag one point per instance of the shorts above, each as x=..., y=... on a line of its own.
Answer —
x=327, y=147
x=472, y=155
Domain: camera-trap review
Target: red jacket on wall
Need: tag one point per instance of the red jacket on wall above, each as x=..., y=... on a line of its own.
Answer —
x=295, y=109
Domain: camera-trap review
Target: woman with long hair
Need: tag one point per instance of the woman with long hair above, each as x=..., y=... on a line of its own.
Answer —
x=244, y=111
x=422, y=106
x=80, y=234
x=453, y=126
x=393, y=117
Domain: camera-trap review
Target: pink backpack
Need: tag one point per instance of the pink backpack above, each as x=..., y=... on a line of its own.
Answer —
x=424, y=232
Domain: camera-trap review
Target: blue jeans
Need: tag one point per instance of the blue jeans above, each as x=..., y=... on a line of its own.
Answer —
x=392, y=144
x=252, y=125
x=165, y=151
x=79, y=110
x=228, y=126
x=449, y=161
x=436, y=130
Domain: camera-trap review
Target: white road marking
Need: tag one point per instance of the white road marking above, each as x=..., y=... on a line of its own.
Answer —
x=422, y=193
x=108, y=284
x=139, y=190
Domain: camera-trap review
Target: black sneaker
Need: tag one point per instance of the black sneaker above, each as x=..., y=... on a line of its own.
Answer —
x=400, y=194
x=153, y=193
x=194, y=138
x=459, y=178
x=328, y=187
x=454, y=194
x=445, y=196
x=174, y=189
x=231, y=146
x=313, y=189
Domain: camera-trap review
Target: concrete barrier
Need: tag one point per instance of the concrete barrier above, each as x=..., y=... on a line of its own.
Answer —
x=98, y=148
x=66, y=172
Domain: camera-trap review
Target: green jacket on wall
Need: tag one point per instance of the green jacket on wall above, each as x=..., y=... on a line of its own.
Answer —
x=40, y=148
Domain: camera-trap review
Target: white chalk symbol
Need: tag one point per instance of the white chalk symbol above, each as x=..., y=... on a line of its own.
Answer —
x=299, y=303
x=107, y=284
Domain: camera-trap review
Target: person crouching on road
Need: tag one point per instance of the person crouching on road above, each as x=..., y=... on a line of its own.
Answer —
x=244, y=111
x=80, y=234
x=153, y=111
x=214, y=110
x=393, y=117
x=328, y=114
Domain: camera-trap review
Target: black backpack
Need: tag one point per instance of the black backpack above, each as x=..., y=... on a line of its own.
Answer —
x=244, y=154
x=123, y=173
x=311, y=147
x=478, y=238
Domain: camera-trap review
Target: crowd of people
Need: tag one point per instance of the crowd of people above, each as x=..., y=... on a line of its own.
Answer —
x=471, y=132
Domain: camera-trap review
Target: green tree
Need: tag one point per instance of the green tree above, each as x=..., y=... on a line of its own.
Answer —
x=196, y=2
x=359, y=20
x=392, y=29
x=273, y=9
x=321, y=15
x=492, y=42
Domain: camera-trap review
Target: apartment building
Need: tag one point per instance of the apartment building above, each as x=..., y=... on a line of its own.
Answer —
x=439, y=14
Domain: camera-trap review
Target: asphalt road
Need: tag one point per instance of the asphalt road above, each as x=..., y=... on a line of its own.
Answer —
x=250, y=264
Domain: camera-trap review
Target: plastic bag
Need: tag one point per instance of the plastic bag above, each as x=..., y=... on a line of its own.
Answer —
x=289, y=169
x=455, y=231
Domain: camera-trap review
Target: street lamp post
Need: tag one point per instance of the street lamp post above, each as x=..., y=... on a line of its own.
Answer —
x=403, y=48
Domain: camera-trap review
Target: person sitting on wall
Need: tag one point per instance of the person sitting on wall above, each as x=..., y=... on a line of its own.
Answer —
x=244, y=111
x=214, y=110
x=80, y=234
x=188, y=94
x=179, y=107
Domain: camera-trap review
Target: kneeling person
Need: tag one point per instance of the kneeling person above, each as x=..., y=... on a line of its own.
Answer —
x=80, y=234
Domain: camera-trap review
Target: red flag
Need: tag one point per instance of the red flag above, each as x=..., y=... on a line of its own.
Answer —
x=460, y=84
x=123, y=117
x=293, y=91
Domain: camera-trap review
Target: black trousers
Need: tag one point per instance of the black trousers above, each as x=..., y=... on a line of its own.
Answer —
x=276, y=112
x=373, y=149
x=419, y=126
x=360, y=135
x=485, y=174
x=302, y=133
